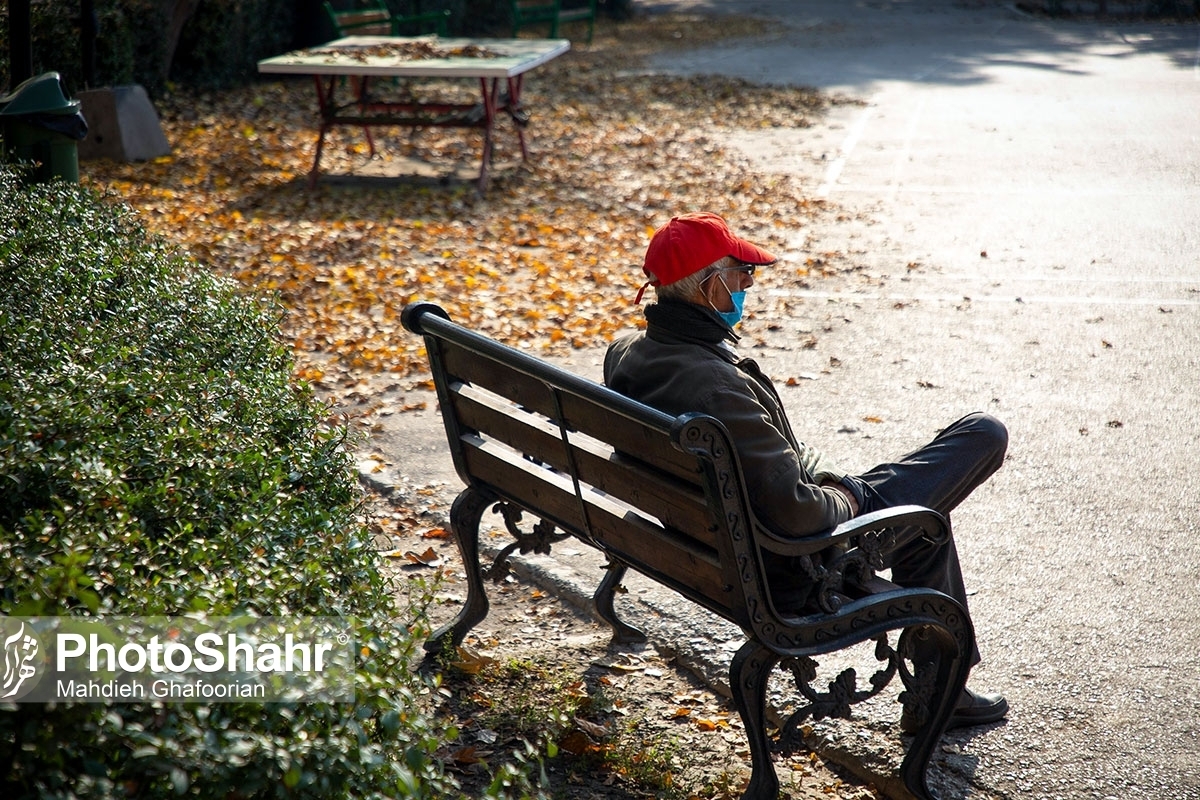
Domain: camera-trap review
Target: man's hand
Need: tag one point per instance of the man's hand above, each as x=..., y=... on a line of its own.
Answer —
x=849, y=495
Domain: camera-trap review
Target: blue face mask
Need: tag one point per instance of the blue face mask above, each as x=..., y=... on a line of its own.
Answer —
x=735, y=316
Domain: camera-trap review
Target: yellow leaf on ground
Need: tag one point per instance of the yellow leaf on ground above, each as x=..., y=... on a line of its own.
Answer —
x=471, y=662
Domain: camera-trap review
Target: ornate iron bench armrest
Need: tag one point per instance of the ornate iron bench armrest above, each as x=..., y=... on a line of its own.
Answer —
x=888, y=528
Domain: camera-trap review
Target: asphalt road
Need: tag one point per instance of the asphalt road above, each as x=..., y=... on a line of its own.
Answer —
x=1021, y=203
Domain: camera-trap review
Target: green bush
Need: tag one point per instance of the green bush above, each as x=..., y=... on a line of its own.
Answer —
x=157, y=459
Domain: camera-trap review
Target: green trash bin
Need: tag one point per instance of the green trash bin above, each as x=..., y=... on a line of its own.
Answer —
x=40, y=124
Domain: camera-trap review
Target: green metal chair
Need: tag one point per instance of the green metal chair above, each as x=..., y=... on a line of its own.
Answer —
x=374, y=18
x=538, y=12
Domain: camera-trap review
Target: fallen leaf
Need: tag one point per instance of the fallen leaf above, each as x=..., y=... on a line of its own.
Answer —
x=577, y=743
x=471, y=662
x=429, y=558
x=592, y=729
x=465, y=755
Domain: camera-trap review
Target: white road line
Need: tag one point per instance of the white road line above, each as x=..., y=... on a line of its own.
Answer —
x=1072, y=300
x=835, y=169
x=1023, y=191
x=1188, y=284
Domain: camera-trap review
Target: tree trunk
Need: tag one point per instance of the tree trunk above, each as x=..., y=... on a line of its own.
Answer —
x=20, y=49
x=176, y=13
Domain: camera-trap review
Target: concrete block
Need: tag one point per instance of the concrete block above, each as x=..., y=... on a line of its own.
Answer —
x=122, y=125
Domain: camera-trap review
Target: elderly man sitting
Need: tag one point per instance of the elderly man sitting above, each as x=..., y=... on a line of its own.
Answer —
x=685, y=361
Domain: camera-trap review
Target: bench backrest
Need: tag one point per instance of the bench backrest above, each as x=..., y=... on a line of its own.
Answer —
x=661, y=494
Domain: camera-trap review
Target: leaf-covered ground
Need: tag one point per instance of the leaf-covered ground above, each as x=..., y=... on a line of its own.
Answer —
x=548, y=259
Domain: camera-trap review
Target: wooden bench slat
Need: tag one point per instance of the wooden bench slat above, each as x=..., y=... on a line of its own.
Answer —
x=681, y=563
x=628, y=436
x=534, y=394
x=674, y=502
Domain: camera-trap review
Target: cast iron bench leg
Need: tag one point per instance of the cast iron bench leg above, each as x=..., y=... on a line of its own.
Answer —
x=952, y=670
x=748, y=674
x=603, y=600
x=465, y=516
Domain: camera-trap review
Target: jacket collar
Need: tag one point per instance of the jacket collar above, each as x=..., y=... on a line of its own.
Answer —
x=679, y=322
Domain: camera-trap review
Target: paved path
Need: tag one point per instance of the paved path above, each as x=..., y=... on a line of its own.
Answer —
x=1067, y=153
x=1022, y=200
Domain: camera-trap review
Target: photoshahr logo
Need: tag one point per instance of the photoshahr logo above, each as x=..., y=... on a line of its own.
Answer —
x=20, y=660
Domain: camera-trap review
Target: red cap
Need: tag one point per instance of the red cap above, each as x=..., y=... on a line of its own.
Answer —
x=689, y=243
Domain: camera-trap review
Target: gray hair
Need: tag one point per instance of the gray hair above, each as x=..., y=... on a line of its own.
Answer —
x=686, y=288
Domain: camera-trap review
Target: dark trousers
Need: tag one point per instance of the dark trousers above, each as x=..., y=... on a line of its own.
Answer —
x=939, y=475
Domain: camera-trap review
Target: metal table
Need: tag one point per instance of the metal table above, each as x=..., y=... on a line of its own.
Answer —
x=363, y=58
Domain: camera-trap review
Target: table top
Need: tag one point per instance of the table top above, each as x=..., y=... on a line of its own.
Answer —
x=419, y=56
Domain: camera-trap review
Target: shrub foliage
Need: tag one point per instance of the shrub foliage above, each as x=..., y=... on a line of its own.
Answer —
x=156, y=458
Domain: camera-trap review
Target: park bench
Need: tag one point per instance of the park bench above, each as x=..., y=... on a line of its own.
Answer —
x=665, y=496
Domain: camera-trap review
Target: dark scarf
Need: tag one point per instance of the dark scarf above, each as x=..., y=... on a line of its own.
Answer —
x=676, y=320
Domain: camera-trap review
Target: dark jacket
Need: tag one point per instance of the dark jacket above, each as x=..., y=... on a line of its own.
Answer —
x=682, y=363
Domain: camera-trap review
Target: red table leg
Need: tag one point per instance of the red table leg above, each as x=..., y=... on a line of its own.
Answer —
x=519, y=117
x=490, y=101
x=324, y=102
x=360, y=90
x=328, y=107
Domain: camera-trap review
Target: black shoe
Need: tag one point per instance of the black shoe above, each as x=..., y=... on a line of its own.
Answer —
x=973, y=709
x=977, y=709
